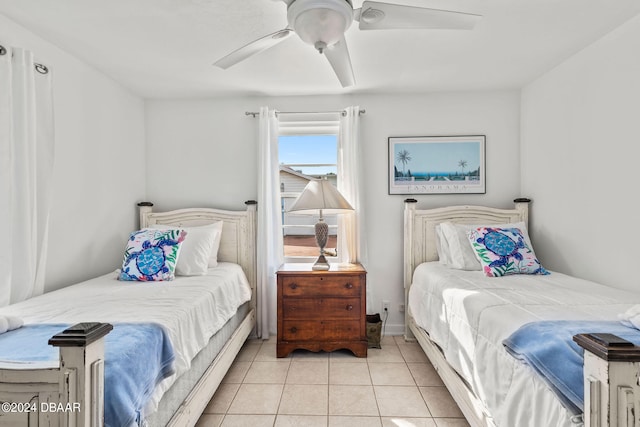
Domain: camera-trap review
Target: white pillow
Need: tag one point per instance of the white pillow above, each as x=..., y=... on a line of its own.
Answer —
x=213, y=258
x=461, y=253
x=198, y=249
x=442, y=247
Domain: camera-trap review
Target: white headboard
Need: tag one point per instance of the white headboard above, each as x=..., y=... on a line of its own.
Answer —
x=238, y=241
x=420, y=233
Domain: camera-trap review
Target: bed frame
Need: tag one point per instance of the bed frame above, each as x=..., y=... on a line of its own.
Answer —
x=72, y=395
x=612, y=374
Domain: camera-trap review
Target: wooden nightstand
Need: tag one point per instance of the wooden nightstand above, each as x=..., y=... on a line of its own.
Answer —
x=322, y=310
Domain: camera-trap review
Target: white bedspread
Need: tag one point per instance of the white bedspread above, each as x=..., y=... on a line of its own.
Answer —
x=469, y=315
x=192, y=309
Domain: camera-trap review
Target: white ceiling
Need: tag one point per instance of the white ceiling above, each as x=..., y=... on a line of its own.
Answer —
x=166, y=48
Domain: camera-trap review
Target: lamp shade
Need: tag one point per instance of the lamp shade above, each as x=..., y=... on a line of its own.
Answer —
x=320, y=195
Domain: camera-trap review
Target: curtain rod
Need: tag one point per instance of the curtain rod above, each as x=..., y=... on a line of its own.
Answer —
x=42, y=69
x=342, y=112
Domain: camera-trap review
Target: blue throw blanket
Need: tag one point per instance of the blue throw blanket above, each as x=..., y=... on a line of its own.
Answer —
x=137, y=358
x=548, y=347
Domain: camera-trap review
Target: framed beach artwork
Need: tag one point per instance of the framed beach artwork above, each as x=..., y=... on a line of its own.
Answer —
x=437, y=165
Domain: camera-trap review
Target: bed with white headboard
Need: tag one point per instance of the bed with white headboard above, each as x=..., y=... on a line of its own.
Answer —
x=76, y=381
x=461, y=317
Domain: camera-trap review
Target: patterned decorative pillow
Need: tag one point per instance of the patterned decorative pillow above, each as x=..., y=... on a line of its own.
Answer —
x=503, y=251
x=151, y=255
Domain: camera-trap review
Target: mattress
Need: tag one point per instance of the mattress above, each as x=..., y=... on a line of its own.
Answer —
x=192, y=309
x=468, y=315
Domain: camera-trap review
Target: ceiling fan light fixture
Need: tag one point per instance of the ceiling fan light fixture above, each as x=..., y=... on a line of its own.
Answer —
x=320, y=21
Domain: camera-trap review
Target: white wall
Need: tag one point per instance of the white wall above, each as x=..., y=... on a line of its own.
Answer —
x=580, y=154
x=99, y=167
x=214, y=145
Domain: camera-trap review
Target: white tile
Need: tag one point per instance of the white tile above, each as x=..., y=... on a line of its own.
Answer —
x=248, y=352
x=407, y=422
x=257, y=399
x=210, y=420
x=303, y=371
x=332, y=389
x=440, y=402
x=388, y=340
x=345, y=421
x=236, y=372
x=345, y=356
x=222, y=399
x=267, y=373
x=399, y=339
x=388, y=373
x=273, y=339
x=412, y=352
x=320, y=356
x=388, y=353
x=267, y=353
x=425, y=374
x=451, y=422
x=301, y=421
x=400, y=401
x=354, y=400
x=347, y=373
x=304, y=400
x=248, y=421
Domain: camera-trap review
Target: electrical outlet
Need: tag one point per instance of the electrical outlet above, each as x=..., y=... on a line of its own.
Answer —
x=385, y=306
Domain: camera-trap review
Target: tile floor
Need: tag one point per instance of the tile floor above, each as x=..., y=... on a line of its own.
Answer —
x=393, y=386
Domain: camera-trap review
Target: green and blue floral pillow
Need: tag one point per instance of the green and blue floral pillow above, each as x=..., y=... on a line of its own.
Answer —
x=504, y=251
x=151, y=255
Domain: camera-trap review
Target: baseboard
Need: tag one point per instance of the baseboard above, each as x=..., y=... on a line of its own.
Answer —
x=393, y=329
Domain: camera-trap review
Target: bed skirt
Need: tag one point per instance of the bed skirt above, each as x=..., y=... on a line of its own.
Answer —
x=174, y=396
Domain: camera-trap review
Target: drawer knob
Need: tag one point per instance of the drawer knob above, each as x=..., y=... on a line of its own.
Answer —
x=348, y=286
x=293, y=330
x=349, y=307
x=293, y=286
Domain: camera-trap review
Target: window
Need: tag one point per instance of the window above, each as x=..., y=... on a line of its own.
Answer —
x=307, y=150
x=302, y=158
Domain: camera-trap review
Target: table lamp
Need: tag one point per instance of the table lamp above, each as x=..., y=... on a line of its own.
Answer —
x=320, y=195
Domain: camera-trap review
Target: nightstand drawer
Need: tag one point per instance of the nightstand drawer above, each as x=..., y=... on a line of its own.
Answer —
x=321, y=286
x=338, y=330
x=321, y=308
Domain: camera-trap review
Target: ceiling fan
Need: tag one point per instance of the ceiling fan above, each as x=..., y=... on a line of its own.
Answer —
x=322, y=23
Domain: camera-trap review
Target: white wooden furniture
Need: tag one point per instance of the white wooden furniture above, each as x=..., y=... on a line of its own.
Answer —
x=611, y=383
x=72, y=394
x=612, y=393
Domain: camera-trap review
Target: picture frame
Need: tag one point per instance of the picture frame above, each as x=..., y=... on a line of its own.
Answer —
x=437, y=165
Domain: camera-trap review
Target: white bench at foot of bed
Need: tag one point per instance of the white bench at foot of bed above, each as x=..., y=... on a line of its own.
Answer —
x=611, y=383
x=70, y=395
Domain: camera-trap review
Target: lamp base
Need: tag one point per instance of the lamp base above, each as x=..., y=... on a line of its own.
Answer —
x=321, y=264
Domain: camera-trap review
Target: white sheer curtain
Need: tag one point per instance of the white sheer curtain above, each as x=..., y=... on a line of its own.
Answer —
x=353, y=241
x=26, y=167
x=270, y=245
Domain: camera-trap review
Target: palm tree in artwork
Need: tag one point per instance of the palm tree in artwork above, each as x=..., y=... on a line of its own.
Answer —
x=462, y=164
x=403, y=157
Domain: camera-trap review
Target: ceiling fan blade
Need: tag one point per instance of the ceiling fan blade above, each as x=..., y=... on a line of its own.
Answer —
x=253, y=48
x=384, y=16
x=338, y=56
